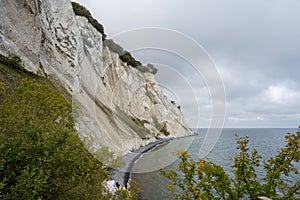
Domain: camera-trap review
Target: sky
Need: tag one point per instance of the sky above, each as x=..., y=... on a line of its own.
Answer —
x=254, y=45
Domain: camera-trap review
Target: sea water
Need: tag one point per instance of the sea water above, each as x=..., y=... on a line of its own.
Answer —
x=268, y=141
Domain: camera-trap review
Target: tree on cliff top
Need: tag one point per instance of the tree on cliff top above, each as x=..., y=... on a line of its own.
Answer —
x=82, y=11
x=124, y=55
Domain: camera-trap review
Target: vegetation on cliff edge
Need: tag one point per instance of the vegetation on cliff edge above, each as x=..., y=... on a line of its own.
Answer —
x=124, y=55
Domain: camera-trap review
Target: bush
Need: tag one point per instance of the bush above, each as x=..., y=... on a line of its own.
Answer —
x=41, y=154
x=113, y=46
x=131, y=194
x=127, y=57
x=12, y=61
x=148, y=68
x=206, y=180
x=2, y=88
x=152, y=69
x=82, y=11
x=98, y=27
x=143, y=68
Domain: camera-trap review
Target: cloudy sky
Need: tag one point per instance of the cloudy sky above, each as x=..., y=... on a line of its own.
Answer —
x=255, y=46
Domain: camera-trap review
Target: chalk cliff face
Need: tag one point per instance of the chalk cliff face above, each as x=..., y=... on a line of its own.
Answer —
x=115, y=105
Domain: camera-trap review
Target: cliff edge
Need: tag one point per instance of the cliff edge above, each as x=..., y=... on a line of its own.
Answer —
x=115, y=105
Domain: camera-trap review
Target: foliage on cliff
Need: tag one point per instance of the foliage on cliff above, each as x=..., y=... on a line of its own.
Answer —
x=124, y=55
x=12, y=61
x=41, y=155
x=206, y=180
x=82, y=11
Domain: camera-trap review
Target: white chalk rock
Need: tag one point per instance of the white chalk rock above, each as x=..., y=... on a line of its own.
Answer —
x=116, y=105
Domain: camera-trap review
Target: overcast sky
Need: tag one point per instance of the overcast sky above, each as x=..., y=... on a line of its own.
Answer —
x=254, y=44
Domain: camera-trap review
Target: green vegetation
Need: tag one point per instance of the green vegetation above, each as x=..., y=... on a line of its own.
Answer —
x=206, y=180
x=41, y=155
x=82, y=11
x=148, y=68
x=127, y=57
x=2, y=88
x=131, y=194
x=124, y=55
x=113, y=46
x=152, y=68
x=12, y=61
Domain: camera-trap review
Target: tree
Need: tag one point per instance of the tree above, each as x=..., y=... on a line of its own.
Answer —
x=131, y=194
x=127, y=57
x=113, y=46
x=41, y=155
x=206, y=180
x=152, y=68
x=82, y=11
x=124, y=55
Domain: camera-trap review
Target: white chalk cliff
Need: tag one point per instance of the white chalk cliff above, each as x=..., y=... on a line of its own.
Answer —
x=115, y=104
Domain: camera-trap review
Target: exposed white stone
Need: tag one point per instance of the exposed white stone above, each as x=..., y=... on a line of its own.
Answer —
x=110, y=186
x=116, y=105
x=263, y=198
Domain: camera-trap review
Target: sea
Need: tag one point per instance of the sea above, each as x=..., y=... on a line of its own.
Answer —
x=268, y=142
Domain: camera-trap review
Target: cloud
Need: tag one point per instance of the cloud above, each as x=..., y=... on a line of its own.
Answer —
x=255, y=45
x=276, y=106
x=281, y=95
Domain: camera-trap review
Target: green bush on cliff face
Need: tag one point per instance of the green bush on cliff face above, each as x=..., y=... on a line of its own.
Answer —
x=152, y=68
x=12, y=61
x=41, y=154
x=147, y=68
x=82, y=11
x=206, y=180
x=125, y=56
x=113, y=46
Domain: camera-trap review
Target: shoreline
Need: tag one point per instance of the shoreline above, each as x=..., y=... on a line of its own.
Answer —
x=122, y=177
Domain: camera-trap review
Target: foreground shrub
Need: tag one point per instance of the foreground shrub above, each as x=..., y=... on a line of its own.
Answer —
x=206, y=180
x=41, y=154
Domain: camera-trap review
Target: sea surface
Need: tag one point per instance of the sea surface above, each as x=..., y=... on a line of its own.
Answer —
x=268, y=141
